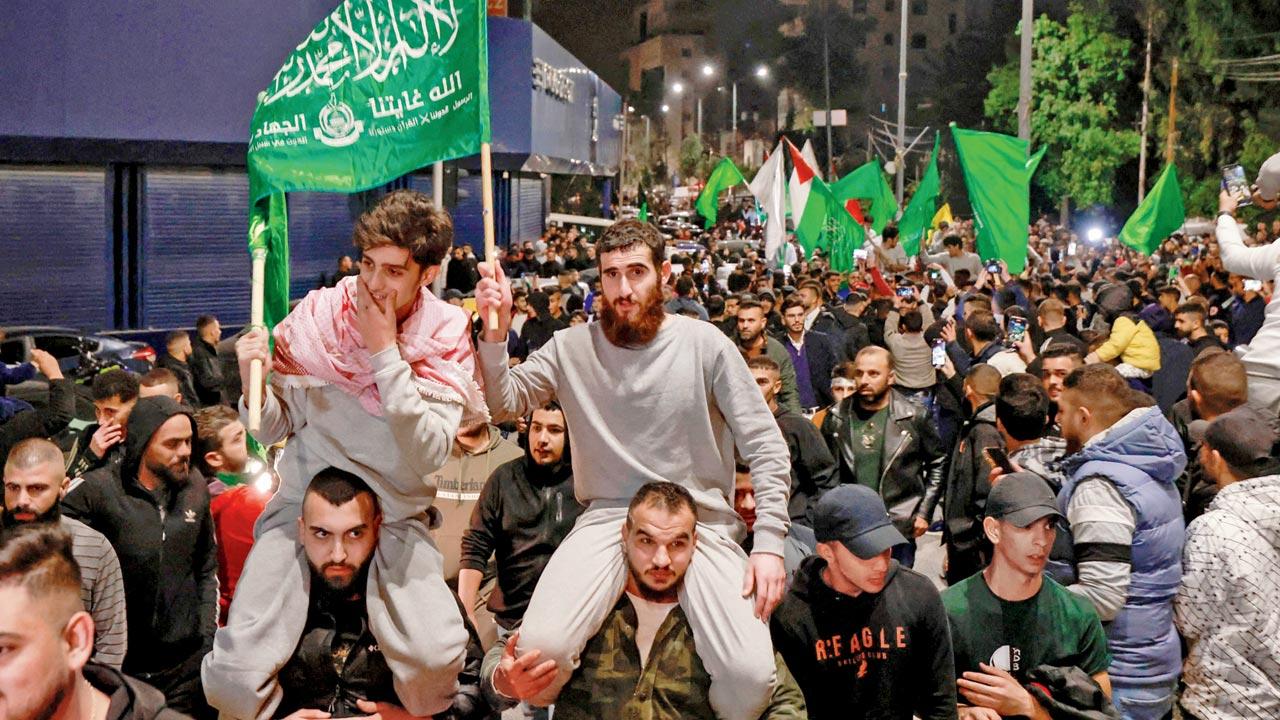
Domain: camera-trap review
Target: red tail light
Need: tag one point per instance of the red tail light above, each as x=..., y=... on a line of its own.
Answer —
x=145, y=353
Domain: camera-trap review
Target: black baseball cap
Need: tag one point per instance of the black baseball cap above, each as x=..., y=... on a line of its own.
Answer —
x=855, y=515
x=1022, y=498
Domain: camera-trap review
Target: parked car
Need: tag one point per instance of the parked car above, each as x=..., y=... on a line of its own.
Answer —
x=80, y=355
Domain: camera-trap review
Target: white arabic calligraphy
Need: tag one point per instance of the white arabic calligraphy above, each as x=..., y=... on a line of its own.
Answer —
x=366, y=38
x=448, y=86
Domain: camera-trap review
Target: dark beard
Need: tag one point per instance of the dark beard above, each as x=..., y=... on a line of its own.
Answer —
x=169, y=476
x=52, y=515
x=638, y=332
x=356, y=586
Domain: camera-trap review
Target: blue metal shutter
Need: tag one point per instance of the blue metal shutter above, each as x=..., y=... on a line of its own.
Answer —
x=55, y=248
x=526, y=214
x=195, y=256
x=468, y=222
x=320, y=226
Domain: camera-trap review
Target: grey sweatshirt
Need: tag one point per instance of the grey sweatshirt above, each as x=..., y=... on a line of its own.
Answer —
x=672, y=410
x=396, y=453
x=912, y=356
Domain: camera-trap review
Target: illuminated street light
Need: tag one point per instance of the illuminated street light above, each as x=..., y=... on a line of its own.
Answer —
x=762, y=71
x=666, y=108
x=708, y=70
x=677, y=88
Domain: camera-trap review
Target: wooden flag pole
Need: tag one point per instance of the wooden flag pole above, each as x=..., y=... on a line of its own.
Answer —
x=486, y=196
x=256, y=320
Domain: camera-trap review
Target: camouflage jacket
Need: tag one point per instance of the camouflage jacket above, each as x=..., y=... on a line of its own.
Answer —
x=611, y=684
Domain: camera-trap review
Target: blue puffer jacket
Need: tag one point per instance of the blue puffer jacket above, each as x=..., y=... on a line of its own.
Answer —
x=1142, y=455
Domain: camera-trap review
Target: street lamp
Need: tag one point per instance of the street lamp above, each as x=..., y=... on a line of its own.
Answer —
x=677, y=87
x=762, y=72
x=708, y=70
x=666, y=108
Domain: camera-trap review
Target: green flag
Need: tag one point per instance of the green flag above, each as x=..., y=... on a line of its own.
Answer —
x=867, y=183
x=918, y=216
x=827, y=226
x=998, y=173
x=375, y=91
x=725, y=176
x=1160, y=214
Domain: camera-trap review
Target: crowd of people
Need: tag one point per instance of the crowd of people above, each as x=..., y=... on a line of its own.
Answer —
x=635, y=479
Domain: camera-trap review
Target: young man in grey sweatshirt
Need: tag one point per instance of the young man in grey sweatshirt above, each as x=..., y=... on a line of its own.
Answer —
x=372, y=329
x=650, y=396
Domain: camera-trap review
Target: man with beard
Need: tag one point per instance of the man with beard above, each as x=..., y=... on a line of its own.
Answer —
x=642, y=663
x=34, y=481
x=1056, y=363
x=1188, y=321
x=154, y=509
x=754, y=342
x=338, y=668
x=1125, y=518
x=47, y=640
x=884, y=441
x=650, y=396
x=524, y=512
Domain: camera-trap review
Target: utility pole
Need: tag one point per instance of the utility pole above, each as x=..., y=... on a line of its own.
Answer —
x=826, y=80
x=1024, y=80
x=901, y=156
x=1146, y=96
x=1173, y=114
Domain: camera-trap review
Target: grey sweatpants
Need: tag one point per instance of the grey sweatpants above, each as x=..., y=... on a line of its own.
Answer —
x=412, y=614
x=586, y=575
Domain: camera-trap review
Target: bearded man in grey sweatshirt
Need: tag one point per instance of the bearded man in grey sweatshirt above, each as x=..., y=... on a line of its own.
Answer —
x=372, y=376
x=649, y=396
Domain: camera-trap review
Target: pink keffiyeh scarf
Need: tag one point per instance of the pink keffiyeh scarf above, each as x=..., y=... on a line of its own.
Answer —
x=318, y=344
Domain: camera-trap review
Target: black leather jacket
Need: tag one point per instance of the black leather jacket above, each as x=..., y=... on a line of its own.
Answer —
x=911, y=464
x=311, y=679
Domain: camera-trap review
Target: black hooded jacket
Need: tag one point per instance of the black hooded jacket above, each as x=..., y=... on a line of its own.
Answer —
x=165, y=544
x=524, y=512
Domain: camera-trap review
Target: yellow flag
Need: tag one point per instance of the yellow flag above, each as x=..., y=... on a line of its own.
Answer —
x=942, y=216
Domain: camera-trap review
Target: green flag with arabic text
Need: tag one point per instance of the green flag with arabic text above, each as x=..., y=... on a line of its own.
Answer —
x=375, y=91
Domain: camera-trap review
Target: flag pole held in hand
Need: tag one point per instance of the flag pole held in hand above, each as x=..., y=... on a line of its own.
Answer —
x=486, y=196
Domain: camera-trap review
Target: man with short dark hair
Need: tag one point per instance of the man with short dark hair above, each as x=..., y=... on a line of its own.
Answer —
x=339, y=668
x=1188, y=321
x=178, y=351
x=913, y=369
x=525, y=509
x=642, y=662
x=1052, y=314
x=884, y=441
x=968, y=476
x=614, y=378
x=1009, y=619
x=985, y=337
x=34, y=482
x=813, y=470
x=48, y=639
x=953, y=258
x=114, y=394
x=1022, y=419
x=1226, y=603
x=1216, y=385
x=812, y=355
x=1056, y=363
x=205, y=370
x=154, y=509
x=754, y=341
x=686, y=300
x=1125, y=519
x=862, y=633
x=160, y=381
